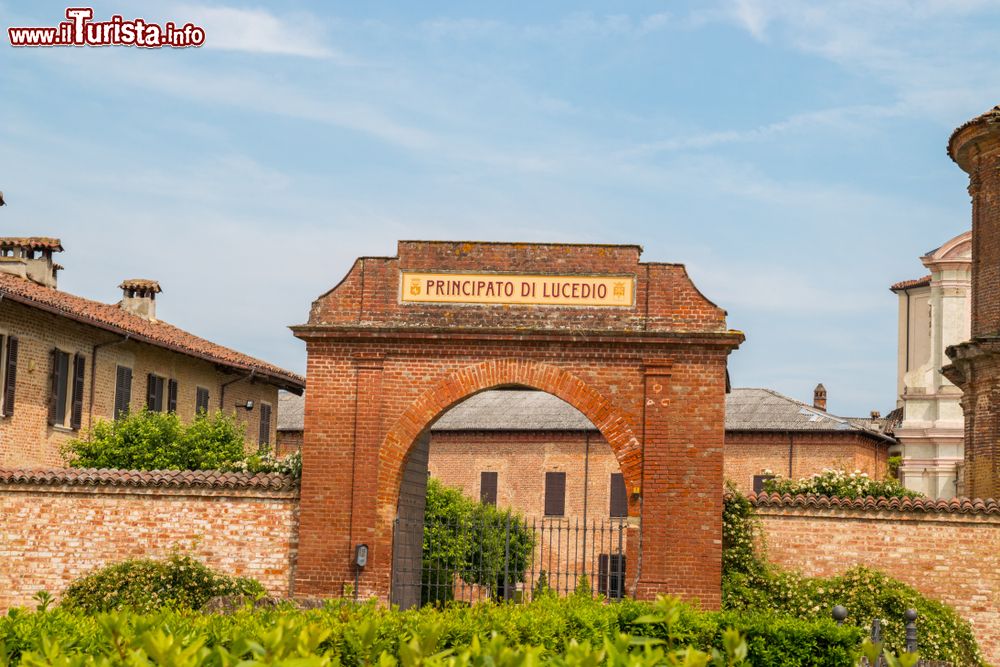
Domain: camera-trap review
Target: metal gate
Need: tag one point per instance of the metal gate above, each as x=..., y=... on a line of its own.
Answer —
x=502, y=557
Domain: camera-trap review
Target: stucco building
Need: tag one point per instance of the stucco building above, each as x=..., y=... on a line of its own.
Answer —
x=67, y=361
x=934, y=313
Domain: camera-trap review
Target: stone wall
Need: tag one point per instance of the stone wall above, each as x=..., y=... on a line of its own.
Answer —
x=58, y=525
x=948, y=550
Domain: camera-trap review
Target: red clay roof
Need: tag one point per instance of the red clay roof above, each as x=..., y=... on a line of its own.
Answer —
x=926, y=505
x=140, y=284
x=907, y=284
x=32, y=242
x=206, y=479
x=113, y=318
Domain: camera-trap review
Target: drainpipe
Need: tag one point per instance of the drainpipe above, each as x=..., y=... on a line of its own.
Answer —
x=791, y=453
x=93, y=373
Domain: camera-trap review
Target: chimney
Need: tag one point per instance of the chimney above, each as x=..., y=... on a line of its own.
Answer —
x=819, y=397
x=30, y=257
x=139, y=297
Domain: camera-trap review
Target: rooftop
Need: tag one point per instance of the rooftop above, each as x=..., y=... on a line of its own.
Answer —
x=747, y=409
x=32, y=242
x=111, y=317
x=908, y=284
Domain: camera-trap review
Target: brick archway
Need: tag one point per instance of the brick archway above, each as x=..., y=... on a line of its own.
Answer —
x=461, y=384
x=634, y=346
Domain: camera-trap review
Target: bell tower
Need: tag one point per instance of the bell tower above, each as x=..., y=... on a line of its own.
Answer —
x=975, y=367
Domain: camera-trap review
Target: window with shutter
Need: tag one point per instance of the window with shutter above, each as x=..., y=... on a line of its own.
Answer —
x=611, y=575
x=619, y=498
x=555, y=493
x=123, y=390
x=154, y=393
x=488, y=488
x=201, y=401
x=264, y=437
x=76, y=410
x=59, y=386
x=758, y=482
x=172, y=396
x=10, y=377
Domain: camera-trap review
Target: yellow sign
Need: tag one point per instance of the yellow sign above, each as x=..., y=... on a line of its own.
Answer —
x=510, y=289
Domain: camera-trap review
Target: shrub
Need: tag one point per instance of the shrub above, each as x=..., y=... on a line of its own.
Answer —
x=290, y=464
x=840, y=484
x=159, y=441
x=147, y=585
x=570, y=631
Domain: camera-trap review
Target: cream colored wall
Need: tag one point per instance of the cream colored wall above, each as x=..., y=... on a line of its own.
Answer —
x=932, y=318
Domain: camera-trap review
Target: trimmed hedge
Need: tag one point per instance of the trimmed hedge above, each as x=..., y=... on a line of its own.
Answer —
x=366, y=634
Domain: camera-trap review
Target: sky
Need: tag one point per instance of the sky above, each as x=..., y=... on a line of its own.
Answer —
x=791, y=154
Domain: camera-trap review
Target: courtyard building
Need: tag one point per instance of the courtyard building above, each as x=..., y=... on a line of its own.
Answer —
x=67, y=361
x=536, y=453
x=934, y=313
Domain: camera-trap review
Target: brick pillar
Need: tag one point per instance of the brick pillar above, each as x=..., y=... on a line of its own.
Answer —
x=682, y=487
x=975, y=368
x=375, y=579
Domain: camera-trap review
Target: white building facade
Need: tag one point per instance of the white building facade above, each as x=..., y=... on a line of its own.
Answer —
x=934, y=312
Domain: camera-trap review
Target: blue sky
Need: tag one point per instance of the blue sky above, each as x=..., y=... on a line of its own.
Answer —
x=791, y=154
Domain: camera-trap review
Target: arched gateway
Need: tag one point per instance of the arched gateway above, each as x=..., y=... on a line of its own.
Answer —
x=634, y=346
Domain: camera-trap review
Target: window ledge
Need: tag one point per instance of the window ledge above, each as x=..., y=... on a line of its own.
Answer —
x=62, y=429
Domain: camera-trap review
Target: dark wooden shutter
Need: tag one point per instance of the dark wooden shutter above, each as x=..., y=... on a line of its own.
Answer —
x=758, y=482
x=611, y=575
x=555, y=493
x=151, y=392
x=123, y=391
x=10, y=385
x=172, y=396
x=616, y=577
x=264, y=437
x=619, y=498
x=488, y=488
x=201, y=401
x=54, y=383
x=76, y=410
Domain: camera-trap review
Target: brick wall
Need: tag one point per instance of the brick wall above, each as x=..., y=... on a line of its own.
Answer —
x=26, y=439
x=949, y=551
x=59, y=526
x=797, y=455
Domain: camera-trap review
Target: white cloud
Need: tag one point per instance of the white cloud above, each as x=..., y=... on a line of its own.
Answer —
x=259, y=31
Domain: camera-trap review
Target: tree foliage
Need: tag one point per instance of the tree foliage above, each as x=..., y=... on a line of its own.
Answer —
x=159, y=441
x=466, y=539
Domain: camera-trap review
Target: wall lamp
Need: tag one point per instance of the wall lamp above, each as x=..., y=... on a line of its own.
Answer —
x=248, y=406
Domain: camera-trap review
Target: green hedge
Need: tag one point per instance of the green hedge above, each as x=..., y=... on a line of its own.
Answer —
x=571, y=631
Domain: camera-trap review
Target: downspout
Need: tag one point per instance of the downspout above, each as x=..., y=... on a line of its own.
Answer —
x=93, y=373
x=791, y=452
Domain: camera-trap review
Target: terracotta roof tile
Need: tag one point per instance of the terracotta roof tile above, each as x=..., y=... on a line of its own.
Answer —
x=113, y=318
x=32, y=242
x=140, y=284
x=206, y=479
x=907, y=284
x=926, y=505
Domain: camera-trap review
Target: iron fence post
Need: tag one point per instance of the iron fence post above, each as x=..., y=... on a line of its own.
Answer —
x=910, y=616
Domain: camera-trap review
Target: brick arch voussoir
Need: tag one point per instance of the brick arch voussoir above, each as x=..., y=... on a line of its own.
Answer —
x=463, y=383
